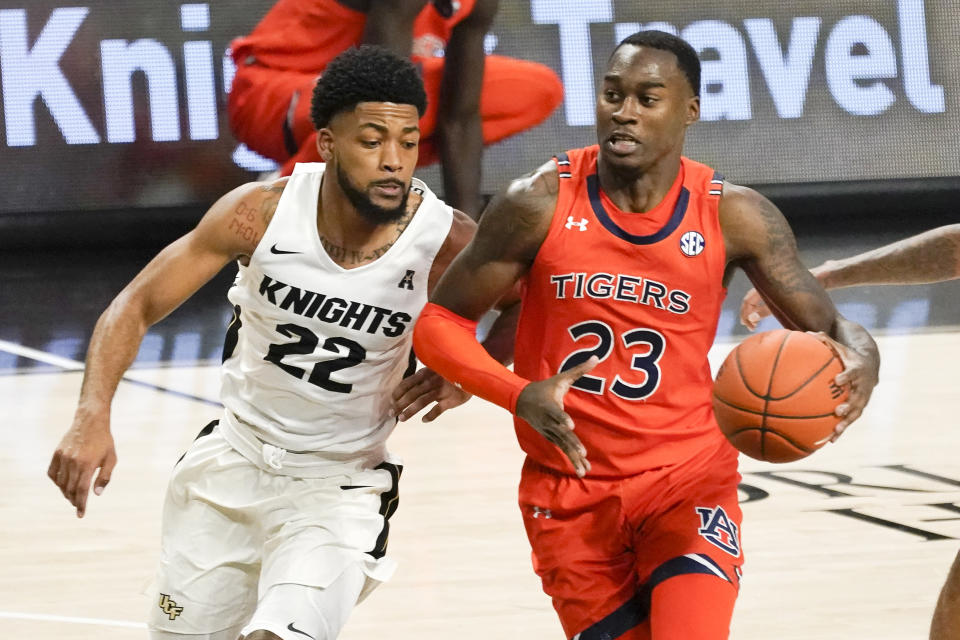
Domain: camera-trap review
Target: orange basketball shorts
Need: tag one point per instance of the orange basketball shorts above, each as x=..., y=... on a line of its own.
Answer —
x=605, y=548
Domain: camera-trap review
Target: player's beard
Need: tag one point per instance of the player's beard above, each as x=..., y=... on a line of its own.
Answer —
x=368, y=210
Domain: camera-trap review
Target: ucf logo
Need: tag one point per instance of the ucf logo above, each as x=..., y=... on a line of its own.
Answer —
x=169, y=607
x=717, y=528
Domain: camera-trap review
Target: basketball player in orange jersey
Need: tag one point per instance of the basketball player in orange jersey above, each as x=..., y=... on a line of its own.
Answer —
x=932, y=256
x=276, y=518
x=473, y=99
x=629, y=490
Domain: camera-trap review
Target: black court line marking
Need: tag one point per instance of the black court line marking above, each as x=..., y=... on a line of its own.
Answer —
x=69, y=365
x=13, y=373
x=182, y=394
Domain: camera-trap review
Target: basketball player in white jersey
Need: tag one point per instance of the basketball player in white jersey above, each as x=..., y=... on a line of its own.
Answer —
x=276, y=519
x=932, y=256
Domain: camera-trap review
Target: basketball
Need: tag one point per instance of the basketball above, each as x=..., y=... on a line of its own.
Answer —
x=774, y=396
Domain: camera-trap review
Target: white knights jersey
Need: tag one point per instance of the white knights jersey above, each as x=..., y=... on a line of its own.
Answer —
x=315, y=350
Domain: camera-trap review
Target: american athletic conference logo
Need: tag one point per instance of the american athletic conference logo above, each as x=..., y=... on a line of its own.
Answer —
x=692, y=243
x=719, y=530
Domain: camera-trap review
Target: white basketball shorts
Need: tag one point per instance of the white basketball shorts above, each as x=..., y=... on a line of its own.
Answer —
x=231, y=531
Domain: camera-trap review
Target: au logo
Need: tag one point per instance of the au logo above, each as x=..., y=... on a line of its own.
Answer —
x=719, y=530
x=169, y=607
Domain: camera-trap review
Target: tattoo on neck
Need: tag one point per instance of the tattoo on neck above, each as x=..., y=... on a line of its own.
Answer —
x=404, y=222
x=344, y=255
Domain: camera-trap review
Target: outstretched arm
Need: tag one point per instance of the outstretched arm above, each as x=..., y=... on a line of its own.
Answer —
x=229, y=230
x=932, y=256
x=459, y=124
x=759, y=240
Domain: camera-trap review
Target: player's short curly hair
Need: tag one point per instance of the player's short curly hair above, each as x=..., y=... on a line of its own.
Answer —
x=687, y=58
x=367, y=73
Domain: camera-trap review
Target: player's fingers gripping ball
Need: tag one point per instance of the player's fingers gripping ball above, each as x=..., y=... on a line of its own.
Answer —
x=774, y=396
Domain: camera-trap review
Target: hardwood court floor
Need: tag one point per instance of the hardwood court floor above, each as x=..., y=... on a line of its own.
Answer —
x=816, y=567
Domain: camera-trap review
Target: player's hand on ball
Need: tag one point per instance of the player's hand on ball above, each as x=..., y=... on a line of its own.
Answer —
x=86, y=447
x=417, y=391
x=857, y=375
x=541, y=405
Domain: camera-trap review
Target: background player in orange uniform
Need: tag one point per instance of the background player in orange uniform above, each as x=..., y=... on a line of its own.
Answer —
x=472, y=99
x=625, y=249
x=932, y=256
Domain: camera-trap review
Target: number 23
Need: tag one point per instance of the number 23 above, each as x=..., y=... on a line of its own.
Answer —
x=644, y=362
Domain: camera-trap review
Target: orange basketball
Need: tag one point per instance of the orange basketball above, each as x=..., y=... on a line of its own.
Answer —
x=774, y=395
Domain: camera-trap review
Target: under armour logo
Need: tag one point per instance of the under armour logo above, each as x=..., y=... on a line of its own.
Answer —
x=718, y=529
x=169, y=607
x=582, y=225
x=407, y=281
x=538, y=512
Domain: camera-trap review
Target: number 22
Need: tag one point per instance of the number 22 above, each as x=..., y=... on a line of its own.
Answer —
x=307, y=343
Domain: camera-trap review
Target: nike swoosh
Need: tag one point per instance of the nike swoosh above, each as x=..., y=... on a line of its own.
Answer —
x=281, y=252
x=303, y=633
x=346, y=487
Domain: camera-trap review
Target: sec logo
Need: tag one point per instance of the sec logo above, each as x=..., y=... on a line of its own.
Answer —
x=692, y=243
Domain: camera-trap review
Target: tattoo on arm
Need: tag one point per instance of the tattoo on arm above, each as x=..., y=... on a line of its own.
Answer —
x=269, y=205
x=242, y=224
x=517, y=216
x=781, y=249
x=795, y=297
x=248, y=220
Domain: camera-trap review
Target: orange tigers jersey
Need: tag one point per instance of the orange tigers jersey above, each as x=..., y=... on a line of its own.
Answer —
x=642, y=292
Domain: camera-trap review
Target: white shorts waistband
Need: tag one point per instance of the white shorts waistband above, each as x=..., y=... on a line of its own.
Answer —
x=303, y=464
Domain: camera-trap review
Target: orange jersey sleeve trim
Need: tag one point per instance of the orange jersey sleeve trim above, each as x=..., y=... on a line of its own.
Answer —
x=447, y=343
